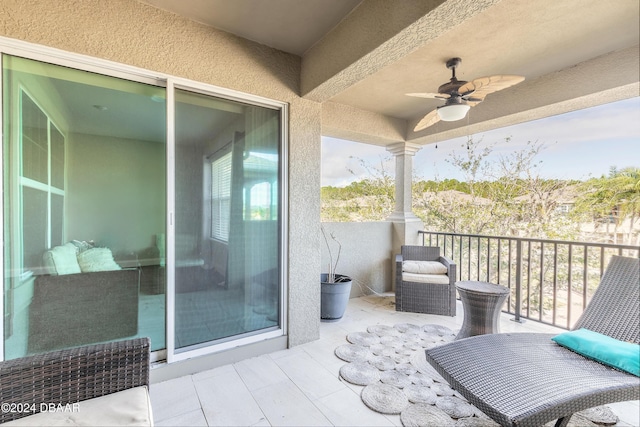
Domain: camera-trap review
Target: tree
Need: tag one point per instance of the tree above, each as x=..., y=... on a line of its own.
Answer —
x=371, y=199
x=505, y=197
x=612, y=200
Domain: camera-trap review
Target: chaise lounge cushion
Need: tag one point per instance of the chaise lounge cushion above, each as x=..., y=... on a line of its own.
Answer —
x=602, y=348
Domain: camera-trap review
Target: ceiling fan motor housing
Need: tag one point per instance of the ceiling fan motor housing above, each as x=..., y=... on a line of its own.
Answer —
x=451, y=87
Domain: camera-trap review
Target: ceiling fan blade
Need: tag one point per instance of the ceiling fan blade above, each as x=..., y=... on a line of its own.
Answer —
x=430, y=95
x=428, y=120
x=483, y=86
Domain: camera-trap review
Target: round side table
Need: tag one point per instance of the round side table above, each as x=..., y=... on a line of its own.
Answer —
x=482, y=303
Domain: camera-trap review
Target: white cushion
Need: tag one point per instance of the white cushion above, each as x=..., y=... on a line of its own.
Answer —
x=424, y=267
x=97, y=259
x=62, y=260
x=130, y=407
x=440, y=279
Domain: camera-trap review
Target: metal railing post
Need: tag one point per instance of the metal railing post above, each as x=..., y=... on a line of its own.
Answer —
x=518, y=305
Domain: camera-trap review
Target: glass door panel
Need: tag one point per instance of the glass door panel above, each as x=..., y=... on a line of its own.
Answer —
x=85, y=208
x=227, y=226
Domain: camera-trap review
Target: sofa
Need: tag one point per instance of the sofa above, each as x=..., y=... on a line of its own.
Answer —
x=76, y=305
x=102, y=384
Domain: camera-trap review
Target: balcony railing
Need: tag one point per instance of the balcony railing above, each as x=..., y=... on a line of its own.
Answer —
x=550, y=281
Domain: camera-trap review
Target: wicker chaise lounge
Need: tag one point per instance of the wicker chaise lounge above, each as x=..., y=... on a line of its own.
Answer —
x=526, y=379
x=72, y=379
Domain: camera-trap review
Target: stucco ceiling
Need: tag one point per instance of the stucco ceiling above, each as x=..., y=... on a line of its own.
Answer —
x=289, y=25
x=360, y=58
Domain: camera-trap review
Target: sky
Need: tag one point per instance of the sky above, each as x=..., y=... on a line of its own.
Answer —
x=578, y=145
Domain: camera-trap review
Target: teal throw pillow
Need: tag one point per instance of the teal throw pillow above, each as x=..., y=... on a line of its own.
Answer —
x=602, y=348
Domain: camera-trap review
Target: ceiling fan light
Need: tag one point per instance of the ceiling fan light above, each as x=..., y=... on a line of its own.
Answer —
x=451, y=113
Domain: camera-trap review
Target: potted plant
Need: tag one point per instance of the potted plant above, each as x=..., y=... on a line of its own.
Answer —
x=335, y=289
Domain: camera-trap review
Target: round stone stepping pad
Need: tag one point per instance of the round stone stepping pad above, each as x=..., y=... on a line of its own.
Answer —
x=365, y=339
x=384, y=398
x=401, y=359
x=406, y=368
x=439, y=330
x=420, y=394
x=405, y=350
x=353, y=353
x=382, y=350
x=395, y=378
x=383, y=330
x=419, y=361
x=407, y=327
x=600, y=415
x=421, y=414
x=442, y=389
x=383, y=363
x=410, y=337
x=476, y=422
x=421, y=379
x=392, y=341
x=431, y=338
x=455, y=407
x=414, y=345
x=428, y=345
x=360, y=373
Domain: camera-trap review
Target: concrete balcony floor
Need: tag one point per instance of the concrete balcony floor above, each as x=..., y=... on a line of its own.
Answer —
x=301, y=386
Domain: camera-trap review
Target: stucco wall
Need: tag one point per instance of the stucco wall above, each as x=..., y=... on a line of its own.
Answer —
x=133, y=33
x=366, y=254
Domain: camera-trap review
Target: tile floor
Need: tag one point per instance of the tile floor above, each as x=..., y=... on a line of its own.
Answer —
x=301, y=386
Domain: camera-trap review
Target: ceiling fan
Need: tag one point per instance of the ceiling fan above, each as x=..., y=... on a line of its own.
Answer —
x=461, y=95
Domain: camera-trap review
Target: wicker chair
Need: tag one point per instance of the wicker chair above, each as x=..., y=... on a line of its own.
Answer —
x=74, y=375
x=525, y=379
x=421, y=297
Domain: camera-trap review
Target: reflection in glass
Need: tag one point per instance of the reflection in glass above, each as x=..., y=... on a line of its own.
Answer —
x=227, y=224
x=84, y=199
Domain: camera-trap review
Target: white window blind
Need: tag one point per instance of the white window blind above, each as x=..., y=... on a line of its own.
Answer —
x=221, y=197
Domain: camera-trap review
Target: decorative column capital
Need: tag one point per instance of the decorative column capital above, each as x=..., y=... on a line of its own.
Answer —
x=403, y=148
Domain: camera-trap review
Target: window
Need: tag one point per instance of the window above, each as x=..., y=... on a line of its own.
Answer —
x=221, y=197
x=42, y=171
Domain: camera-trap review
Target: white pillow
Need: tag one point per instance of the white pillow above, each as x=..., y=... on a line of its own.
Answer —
x=424, y=267
x=97, y=259
x=62, y=260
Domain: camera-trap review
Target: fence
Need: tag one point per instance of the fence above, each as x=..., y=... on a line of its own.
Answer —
x=550, y=281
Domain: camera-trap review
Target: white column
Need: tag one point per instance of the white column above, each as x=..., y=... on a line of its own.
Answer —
x=403, y=152
x=405, y=224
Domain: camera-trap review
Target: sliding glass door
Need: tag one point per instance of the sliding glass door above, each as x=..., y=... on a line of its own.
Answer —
x=227, y=220
x=134, y=209
x=84, y=159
